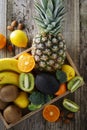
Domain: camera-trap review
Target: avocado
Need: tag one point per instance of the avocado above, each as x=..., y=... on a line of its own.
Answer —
x=47, y=83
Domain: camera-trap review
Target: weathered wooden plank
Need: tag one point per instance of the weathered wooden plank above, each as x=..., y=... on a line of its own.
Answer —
x=19, y=9
x=3, y=24
x=83, y=63
x=3, y=9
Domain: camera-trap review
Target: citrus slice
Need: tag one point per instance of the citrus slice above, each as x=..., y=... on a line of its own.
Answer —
x=2, y=41
x=26, y=62
x=51, y=113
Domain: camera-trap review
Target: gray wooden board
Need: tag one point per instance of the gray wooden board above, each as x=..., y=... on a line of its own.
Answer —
x=75, y=33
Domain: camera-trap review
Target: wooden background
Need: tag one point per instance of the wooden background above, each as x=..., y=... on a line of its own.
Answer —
x=75, y=33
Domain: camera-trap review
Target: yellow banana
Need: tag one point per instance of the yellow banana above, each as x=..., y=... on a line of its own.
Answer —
x=8, y=77
x=9, y=64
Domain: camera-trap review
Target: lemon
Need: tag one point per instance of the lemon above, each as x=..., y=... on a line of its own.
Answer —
x=19, y=38
x=70, y=72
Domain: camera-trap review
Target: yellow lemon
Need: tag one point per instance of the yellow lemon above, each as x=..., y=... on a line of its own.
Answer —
x=19, y=38
x=22, y=100
x=70, y=72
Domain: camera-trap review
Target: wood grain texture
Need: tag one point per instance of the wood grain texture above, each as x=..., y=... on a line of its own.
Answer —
x=75, y=33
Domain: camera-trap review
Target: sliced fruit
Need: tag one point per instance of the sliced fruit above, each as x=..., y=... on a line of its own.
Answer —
x=8, y=77
x=47, y=83
x=62, y=89
x=70, y=105
x=22, y=100
x=70, y=72
x=19, y=38
x=9, y=64
x=75, y=83
x=26, y=62
x=26, y=82
x=33, y=107
x=51, y=113
x=2, y=41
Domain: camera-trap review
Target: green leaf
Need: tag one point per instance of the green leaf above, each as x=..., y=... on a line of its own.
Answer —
x=56, y=30
x=61, y=76
x=49, y=15
x=50, y=5
x=44, y=4
x=58, y=10
x=56, y=3
x=40, y=9
x=40, y=23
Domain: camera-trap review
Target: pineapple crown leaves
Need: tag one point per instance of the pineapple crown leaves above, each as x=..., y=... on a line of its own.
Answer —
x=50, y=15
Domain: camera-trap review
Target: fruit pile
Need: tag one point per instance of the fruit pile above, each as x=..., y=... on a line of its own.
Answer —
x=23, y=87
x=33, y=79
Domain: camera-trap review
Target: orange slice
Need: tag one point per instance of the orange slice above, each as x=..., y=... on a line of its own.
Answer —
x=26, y=62
x=51, y=113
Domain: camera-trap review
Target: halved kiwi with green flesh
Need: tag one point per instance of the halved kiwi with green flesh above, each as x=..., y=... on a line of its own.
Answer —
x=26, y=82
x=75, y=83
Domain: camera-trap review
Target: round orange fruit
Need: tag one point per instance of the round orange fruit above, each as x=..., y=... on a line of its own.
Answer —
x=51, y=113
x=2, y=41
x=26, y=62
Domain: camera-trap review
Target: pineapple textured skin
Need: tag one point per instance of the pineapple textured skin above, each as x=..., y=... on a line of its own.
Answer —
x=49, y=45
x=49, y=52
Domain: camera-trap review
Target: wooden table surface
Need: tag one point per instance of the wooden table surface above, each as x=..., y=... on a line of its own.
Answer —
x=75, y=33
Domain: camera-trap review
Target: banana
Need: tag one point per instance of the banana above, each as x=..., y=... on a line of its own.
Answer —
x=10, y=64
x=8, y=77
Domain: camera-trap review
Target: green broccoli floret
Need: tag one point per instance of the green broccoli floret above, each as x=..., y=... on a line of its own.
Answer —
x=61, y=76
x=37, y=98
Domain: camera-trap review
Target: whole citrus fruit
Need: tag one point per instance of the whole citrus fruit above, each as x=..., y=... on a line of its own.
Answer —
x=19, y=38
x=2, y=41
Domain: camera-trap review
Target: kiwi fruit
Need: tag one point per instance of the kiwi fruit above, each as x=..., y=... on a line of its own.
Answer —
x=47, y=83
x=3, y=105
x=26, y=82
x=8, y=93
x=75, y=83
x=12, y=114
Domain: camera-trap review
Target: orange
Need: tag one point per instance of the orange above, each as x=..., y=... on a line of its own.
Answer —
x=51, y=113
x=62, y=89
x=2, y=41
x=26, y=62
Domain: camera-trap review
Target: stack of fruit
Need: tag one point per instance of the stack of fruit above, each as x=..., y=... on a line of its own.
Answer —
x=22, y=87
x=33, y=79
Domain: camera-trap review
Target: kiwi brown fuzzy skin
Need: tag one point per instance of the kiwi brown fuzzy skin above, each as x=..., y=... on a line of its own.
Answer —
x=3, y=105
x=8, y=93
x=12, y=114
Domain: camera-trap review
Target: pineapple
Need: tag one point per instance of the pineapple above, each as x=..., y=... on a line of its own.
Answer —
x=49, y=45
